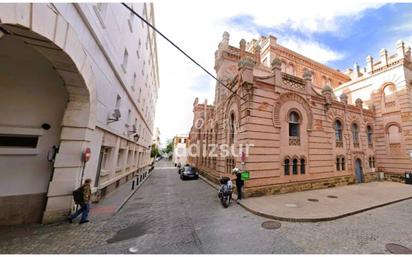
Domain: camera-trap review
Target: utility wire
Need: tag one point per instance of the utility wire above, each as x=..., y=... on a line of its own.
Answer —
x=178, y=48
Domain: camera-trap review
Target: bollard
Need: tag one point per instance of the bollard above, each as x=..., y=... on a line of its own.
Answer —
x=133, y=185
x=137, y=180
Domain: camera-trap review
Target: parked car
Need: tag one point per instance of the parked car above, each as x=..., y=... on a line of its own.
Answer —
x=188, y=172
x=179, y=170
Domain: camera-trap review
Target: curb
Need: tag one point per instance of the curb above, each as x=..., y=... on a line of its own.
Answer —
x=269, y=216
x=209, y=182
x=131, y=194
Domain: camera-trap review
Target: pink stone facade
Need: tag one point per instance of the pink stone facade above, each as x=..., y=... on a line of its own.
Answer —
x=287, y=127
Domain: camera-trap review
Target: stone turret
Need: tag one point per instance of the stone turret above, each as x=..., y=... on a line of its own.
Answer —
x=245, y=67
x=307, y=76
x=356, y=71
x=224, y=44
x=257, y=53
x=276, y=64
x=359, y=103
x=242, y=47
x=276, y=69
x=327, y=92
x=384, y=56
x=400, y=49
x=369, y=64
x=344, y=98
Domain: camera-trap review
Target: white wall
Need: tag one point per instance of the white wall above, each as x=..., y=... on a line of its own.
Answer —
x=105, y=35
x=363, y=89
x=31, y=94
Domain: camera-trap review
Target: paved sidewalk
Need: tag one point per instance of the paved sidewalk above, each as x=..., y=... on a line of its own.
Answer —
x=63, y=237
x=112, y=203
x=328, y=204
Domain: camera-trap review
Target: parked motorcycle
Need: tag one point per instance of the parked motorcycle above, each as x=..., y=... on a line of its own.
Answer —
x=225, y=191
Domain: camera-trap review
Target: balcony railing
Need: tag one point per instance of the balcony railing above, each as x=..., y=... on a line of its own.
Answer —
x=294, y=141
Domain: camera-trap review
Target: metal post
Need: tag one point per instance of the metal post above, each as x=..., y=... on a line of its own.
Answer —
x=133, y=185
x=81, y=180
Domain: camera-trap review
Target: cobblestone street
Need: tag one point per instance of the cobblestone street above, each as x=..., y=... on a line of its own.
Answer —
x=167, y=215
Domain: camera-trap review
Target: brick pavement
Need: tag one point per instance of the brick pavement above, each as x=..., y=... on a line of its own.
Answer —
x=168, y=215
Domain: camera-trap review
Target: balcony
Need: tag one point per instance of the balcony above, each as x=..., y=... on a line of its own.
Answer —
x=294, y=141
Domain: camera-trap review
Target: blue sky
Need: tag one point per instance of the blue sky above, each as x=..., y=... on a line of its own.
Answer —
x=357, y=37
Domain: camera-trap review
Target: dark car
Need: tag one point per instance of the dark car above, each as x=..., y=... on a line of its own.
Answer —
x=188, y=172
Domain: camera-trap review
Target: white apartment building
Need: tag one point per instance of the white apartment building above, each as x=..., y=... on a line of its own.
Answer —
x=73, y=77
x=156, y=137
x=180, y=149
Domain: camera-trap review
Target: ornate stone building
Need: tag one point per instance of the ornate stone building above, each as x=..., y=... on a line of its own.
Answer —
x=287, y=126
x=73, y=76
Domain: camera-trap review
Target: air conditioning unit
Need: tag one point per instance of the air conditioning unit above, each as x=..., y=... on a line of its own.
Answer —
x=115, y=116
x=133, y=131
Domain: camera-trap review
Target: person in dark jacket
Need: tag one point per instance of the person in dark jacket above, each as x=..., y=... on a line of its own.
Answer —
x=85, y=205
x=239, y=183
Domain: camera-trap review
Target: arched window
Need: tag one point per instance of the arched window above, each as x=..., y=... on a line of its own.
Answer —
x=337, y=163
x=355, y=134
x=389, y=97
x=369, y=134
x=287, y=167
x=324, y=81
x=302, y=166
x=232, y=129
x=394, y=135
x=340, y=163
x=290, y=69
x=294, y=124
x=283, y=66
x=295, y=166
x=338, y=131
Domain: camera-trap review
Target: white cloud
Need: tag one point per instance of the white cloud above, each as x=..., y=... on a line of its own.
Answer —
x=311, y=49
x=197, y=27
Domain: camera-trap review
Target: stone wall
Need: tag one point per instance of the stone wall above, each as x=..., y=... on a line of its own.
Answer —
x=209, y=176
x=395, y=177
x=370, y=177
x=299, y=186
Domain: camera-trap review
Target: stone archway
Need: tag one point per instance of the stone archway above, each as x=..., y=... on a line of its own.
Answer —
x=41, y=27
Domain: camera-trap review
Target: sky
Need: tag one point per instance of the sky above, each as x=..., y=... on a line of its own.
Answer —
x=337, y=34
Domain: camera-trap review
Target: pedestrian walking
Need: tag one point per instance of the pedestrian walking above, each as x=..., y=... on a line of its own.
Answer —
x=239, y=183
x=82, y=197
